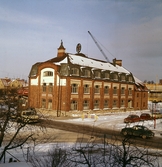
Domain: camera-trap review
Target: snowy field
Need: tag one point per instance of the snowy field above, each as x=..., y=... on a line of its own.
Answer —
x=110, y=121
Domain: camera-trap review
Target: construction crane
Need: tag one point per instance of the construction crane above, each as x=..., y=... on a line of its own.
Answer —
x=99, y=47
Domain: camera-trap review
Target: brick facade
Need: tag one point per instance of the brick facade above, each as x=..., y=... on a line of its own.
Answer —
x=62, y=86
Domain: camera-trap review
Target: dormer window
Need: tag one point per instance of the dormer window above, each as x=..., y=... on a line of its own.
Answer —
x=106, y=75
x=97, y=74
x=75, y=71
x=115, y=76
x=130, y=79
x=86, y=73
x=122, y=77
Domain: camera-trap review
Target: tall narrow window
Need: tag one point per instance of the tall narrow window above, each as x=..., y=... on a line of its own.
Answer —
x=74, y=88
x=96, y=89
x=96, y=104
x=122, y=103
x=115, y=91
x=50, y=104
x=44, y=87
x=85, y=104
x=130, y=91
x=130, y=79
x=114, y=103
x=115, y=76
x=43, y=103
x=50, y=88
x=122, y=90
x=106, y=103
x=74, y=105
x=144, y=95
x=86, y=88
x=106, y=90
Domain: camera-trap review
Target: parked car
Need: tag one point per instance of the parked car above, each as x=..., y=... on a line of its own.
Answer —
x=145, y=116
x=132, y=118
x=28, y=116
x=138, y=130
x=157, y=115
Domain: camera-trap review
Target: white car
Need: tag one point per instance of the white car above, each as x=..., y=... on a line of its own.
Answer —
x=28, y=116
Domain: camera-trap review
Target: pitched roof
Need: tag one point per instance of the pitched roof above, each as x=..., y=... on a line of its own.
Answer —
x=84, y=61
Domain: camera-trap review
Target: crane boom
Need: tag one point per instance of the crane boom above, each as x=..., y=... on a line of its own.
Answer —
x=99, y=47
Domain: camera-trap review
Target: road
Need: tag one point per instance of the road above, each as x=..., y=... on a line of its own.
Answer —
x=87, y=132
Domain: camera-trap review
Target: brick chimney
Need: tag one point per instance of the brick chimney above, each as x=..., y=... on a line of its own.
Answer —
x=61, y=50
x=119, y=62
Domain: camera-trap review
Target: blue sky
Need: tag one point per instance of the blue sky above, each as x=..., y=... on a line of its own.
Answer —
x=31, y=31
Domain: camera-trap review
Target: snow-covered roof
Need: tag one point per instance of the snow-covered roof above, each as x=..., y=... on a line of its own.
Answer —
x=88, y=62
x=138, y=82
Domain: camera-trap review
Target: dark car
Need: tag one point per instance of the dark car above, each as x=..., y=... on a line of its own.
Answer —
x=132, y=118
x=138, y=130
x=145, y=116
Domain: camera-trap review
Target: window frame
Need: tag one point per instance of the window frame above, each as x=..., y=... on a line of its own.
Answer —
x=74, y=88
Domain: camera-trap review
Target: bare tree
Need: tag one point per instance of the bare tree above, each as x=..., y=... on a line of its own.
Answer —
x=112, y=153
x=12, y=133
x=56, y=157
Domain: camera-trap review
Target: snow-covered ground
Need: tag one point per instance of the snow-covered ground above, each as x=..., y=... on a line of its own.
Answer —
x=110, y=121
x=116, y=121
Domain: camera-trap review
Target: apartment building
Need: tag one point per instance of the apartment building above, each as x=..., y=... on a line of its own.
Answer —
x=75, y=82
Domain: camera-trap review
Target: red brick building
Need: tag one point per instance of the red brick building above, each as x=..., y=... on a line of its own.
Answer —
x=75, y=82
